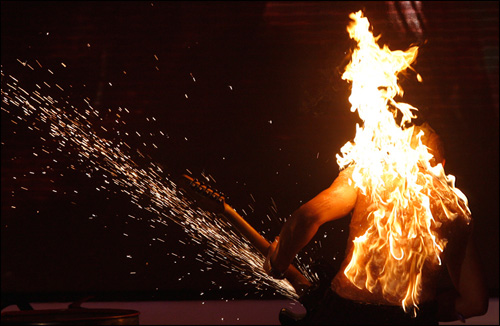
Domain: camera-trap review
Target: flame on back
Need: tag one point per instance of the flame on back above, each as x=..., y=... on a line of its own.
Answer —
x=410, y=197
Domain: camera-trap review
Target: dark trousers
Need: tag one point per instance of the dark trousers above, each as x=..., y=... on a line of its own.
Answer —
x=335, y=310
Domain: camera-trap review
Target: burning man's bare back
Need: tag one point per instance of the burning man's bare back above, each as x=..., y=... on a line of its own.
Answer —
x=340, y=199
x=358, y=226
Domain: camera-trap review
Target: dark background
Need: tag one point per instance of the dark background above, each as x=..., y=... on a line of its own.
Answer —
x=264, y=116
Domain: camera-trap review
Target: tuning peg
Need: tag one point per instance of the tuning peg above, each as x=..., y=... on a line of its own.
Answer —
x=194, y=183
x=208, y=192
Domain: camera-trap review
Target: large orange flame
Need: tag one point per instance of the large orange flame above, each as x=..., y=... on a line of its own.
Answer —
x=410, y=198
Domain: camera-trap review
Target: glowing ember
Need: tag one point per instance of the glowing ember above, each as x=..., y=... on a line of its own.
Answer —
x=146, y=185
x=401, y=233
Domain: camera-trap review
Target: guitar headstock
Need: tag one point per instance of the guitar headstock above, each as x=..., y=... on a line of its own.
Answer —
x=205, y=197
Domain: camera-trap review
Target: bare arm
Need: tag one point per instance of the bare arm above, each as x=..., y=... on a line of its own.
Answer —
x=332, y=203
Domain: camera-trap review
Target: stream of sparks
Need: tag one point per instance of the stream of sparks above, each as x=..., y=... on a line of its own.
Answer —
x=147, y=186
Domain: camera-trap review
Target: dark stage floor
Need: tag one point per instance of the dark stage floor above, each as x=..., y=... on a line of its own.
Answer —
x=237, y=312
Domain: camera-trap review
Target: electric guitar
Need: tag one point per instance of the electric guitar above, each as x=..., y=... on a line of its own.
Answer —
x=214, y=201
x=211, y=200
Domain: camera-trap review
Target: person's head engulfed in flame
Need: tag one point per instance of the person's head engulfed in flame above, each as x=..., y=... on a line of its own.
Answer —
x=400, y=170
x=403, y=204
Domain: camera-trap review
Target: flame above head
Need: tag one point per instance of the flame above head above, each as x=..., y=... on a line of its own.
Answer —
x=410, y=197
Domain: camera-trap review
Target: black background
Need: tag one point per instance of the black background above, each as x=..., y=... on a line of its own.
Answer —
x=264, y=116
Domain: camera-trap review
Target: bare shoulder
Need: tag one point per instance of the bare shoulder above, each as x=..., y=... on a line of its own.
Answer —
x=334, y=202
x=343, y=180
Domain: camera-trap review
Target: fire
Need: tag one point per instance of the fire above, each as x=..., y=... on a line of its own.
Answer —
x=393, y=167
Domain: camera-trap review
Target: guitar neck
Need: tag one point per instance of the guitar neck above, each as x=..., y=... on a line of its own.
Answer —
x=213, y=201
x=254, y=237
x=299, y=282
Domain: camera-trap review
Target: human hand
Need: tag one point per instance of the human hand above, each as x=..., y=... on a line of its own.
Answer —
x=268, y=266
